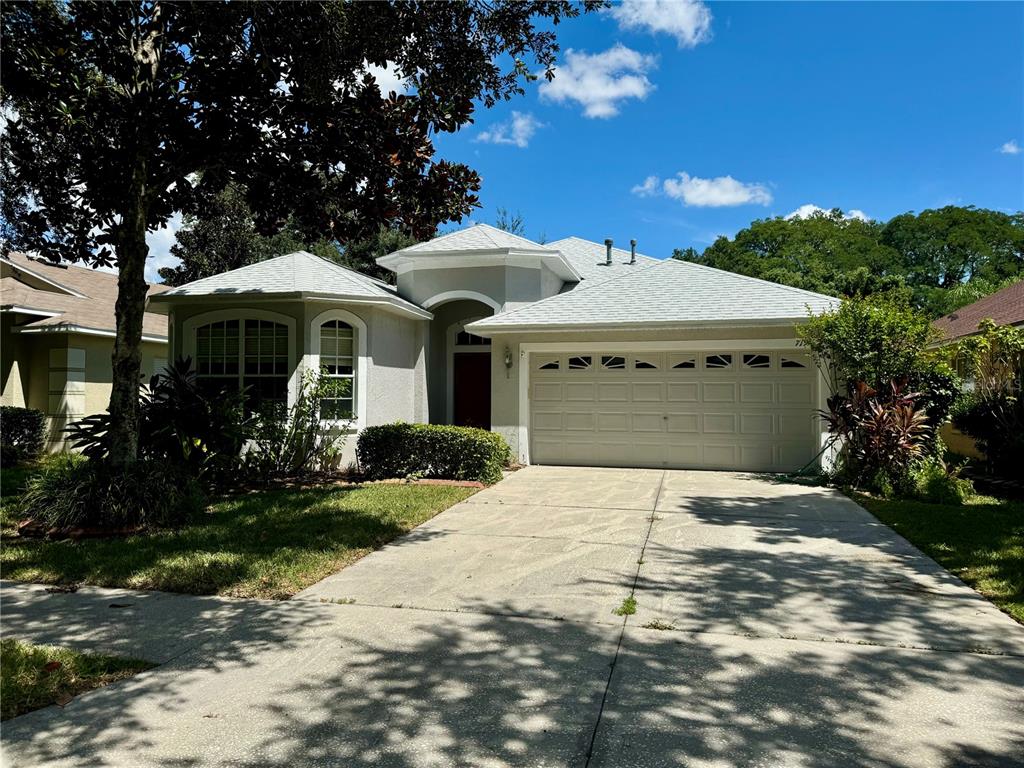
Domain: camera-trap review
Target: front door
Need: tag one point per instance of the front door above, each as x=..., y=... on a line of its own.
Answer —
x=471, y=389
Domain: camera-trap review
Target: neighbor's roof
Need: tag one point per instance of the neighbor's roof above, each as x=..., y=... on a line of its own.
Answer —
x=667, y=293
x=1005, y=307
x=300, y=275
x=588, y=258
x=66, y=298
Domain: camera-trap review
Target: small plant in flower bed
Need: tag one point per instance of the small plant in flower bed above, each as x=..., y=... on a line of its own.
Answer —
x=73, y=493
x=432, y=450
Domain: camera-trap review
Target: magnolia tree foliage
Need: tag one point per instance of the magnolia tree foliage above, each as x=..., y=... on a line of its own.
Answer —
x=121, y=114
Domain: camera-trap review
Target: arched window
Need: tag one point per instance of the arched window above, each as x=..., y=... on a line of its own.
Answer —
x=248, y=354
x=338, y=361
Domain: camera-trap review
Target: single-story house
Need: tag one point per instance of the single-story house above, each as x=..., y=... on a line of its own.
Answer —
x=57, y=338
x=1005, y=307
x=576, y=352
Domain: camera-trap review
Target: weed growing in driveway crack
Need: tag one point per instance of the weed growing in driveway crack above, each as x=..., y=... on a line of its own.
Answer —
x=659, y=625
x=628, y=607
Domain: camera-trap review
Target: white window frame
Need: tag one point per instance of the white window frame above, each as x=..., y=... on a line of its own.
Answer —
x=359, y=367
x=192, y=324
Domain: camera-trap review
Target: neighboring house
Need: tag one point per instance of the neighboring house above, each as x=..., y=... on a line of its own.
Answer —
x=1005, y=307
x=57, y=329
x=575, y=352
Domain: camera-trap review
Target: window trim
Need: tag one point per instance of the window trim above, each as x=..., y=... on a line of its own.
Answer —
x=359, y=378
x=192, y=324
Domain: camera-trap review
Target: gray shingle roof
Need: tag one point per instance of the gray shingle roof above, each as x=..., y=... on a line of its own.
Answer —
x=295, y=273
x=669, y=292
x=588, y=258
x=479, y=237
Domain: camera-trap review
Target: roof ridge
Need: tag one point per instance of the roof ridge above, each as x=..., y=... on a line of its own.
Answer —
x=792, y=288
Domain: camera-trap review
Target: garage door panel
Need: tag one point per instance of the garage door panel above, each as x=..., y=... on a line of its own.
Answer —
x=547, y=392
x=720, y=423
x=683, y=422
x=648, y=392
x=757, y=392
x=795, y=393
x=613, y=422
x=617, y=392
x=683, y=392
x=579, y=391
x=648, y=422
x=719, y=392
x=742, y=417
x=577, y=420
x=757, y=423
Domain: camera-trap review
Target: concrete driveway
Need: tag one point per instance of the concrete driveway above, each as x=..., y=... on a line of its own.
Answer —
x=775, y=625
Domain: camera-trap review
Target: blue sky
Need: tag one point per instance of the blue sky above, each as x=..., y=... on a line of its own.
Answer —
x=875, y=107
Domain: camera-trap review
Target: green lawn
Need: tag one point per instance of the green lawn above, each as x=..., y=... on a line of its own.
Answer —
x=982, y=542
x=267, y=544
x=34, y=676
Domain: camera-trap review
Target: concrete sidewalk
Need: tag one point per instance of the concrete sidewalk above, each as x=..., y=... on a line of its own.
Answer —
x=775, y=625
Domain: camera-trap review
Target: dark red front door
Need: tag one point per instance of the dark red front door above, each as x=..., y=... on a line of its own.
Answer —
x=471, y=389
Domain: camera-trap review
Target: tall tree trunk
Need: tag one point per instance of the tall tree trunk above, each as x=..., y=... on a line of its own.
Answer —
x=129, y=311
x=131, y=246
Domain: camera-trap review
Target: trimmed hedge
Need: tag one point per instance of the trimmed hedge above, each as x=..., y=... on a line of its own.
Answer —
x=22, y=434
x=432, y=450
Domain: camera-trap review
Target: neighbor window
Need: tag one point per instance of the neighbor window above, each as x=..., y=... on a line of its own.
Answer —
x=337, y=361
x=244, y=354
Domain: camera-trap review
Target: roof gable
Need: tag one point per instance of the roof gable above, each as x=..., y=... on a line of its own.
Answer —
x=669, y=292
x=479, y=237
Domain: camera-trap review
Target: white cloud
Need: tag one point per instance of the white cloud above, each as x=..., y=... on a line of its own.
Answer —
x=807, y=210
x=516, y=131
x=387, y=77
x=688, y=21
x=718, y=192
x=1011, y=147
x=649, y=188
x=599, y=81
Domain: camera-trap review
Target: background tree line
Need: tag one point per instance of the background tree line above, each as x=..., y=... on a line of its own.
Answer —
x=938, y=259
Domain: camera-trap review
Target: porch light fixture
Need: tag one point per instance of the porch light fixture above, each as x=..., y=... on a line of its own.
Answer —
x=508, y=360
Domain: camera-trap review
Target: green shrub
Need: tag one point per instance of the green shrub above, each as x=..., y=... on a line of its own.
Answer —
x=432, y=450
x=73, y=492
x=22, y=434
x=936, y=482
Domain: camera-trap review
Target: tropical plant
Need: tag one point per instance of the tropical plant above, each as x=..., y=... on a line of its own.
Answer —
x=877, y=434
x=306, y=437
x=179, y=424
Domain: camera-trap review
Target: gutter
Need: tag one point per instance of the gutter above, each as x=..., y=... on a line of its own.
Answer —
x=388, y=302
x=482, y=329
x=85, y=331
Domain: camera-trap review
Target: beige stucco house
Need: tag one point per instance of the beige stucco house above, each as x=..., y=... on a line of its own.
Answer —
x=57, y=337
x=576, y=352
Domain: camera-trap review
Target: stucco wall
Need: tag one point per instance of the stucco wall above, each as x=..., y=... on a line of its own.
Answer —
x=505, y=416
x=509, y=287
x=395, y=378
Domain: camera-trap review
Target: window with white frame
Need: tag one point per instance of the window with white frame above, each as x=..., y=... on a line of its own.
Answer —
x=246, y=354
x=337, y=361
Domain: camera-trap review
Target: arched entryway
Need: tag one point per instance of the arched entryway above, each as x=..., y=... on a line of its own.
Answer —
x=459, y=365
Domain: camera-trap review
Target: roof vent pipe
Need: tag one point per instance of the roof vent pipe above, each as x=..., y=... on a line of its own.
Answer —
x=632, y=251
x=608, y=251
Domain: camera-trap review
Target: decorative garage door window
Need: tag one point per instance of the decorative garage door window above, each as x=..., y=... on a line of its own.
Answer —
x=548, y=364
x=799, y=361
x=718, y=361
x=613, y=362
x=579, y=363
x=337, y=360
x=757, y=361
x=645, y=364
x=683, y=362
x=244, y=354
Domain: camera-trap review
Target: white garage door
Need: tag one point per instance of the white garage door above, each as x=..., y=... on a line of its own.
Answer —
x=712, y=410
